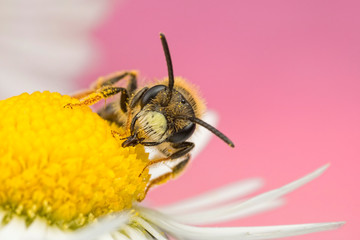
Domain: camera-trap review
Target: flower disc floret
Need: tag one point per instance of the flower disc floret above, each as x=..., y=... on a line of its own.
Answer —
x=64, y=165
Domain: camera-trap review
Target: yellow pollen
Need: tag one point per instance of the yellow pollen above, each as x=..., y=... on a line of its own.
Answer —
x=64, y=165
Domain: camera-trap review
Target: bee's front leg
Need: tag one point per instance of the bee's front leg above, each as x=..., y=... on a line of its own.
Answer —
x=96, y=96
x=103, y=88
x=176, y=171
x=184, y=149
x=109, y=80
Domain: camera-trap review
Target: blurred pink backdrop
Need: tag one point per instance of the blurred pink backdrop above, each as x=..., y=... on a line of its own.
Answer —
x=284, y=77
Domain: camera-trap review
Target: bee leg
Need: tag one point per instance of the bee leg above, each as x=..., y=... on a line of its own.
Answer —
x=176, y=171
x=114, y=78
x=124, y=100
x=106, y=81
x=96, y=96
x=82, y=93
x=132, y=84
x=185, y=148
x=135, y=100
x=107, y=112
x=131, y=87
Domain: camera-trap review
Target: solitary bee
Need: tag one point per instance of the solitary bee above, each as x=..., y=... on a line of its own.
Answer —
x=163, y=115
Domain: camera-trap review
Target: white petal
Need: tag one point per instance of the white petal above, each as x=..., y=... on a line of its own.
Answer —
x=215, y=197
x=222, y=214
x=47, y=56
x=47, y=42
x=105, y=226
x=84, y=14
x=274, y=194
x=39, y=230
x=14, y=230
x=147, y=226
x=218, y=196
x=202, y=136
x=119, y=236
x=24, y=82
x=232, y=233
x=134, y=233
x=36, y=229
x=232, y=211
x=106, y=237
x=264, y=200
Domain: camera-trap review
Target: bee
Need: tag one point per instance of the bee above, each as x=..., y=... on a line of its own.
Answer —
x=162, y=115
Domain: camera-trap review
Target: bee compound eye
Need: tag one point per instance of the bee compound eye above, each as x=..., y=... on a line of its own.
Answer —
x=182, y=134
x=151, y=94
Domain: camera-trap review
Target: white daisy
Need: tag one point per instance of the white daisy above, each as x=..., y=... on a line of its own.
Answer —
x=176, y=220
x=60, y=183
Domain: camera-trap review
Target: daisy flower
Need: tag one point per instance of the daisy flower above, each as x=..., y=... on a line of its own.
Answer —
x=64, y=176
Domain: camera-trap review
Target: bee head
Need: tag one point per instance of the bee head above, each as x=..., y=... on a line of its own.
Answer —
x=170, y=103
x=164, y=116
x=169, y=112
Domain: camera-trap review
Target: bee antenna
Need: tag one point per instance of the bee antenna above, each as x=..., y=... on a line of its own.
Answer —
x=211, y=129
x=169, y=64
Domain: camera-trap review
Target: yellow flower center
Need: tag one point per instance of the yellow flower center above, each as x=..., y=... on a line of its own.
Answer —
x=64, y=165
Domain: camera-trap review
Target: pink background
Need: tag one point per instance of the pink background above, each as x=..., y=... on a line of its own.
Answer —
x=284, y=77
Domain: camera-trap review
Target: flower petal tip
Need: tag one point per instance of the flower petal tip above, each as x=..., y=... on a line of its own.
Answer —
x=320, y=170
x=339, y=224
